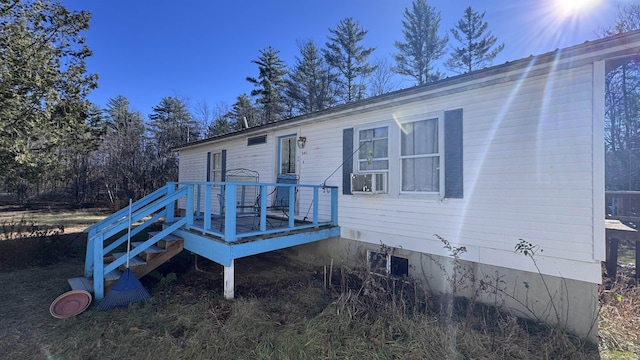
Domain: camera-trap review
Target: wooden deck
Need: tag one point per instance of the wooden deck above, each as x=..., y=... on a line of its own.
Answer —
x=214, y=223
x=615, y=232
x=250, y=240
x=249, y=223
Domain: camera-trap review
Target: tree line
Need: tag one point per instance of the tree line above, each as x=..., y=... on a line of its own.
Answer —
x=52, y=140
x=342, y=72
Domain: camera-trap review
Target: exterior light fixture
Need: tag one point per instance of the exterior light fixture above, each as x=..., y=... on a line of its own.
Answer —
x=302, y=140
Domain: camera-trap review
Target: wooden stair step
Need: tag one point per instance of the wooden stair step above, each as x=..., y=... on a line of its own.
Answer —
x=141, y=264
x=167, y=238
x=166, y=241
x=81, y=283
x=150, y=250
x=85, y=283
x=112, y=275
x=134, y=261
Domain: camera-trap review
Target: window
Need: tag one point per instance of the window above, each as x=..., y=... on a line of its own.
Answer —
x=287, y=152
x=256, y=140
x=387, y=264
x=216, y=167
x=419, y=156
x=373, y=145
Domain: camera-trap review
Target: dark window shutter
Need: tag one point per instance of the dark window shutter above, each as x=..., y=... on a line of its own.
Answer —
x=223, y=166
x=209, y=166
x=453, y=181
x=347, y=158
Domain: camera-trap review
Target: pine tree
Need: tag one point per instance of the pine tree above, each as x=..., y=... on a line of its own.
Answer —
x=345, y=53
x=422, y=47
x=84, y=139
x=121, y=156
x=43, y=85
x=170, y=125
x=310, y=87
x=243, y=114
x=219, y=126
x=476, y=42
x=270, y=84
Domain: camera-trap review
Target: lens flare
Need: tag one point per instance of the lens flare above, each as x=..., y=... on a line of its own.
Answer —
x=568, y=8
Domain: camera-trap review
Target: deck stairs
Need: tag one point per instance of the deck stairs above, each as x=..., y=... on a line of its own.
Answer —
x=105, y=259
x=193, y=218
x=148, y=260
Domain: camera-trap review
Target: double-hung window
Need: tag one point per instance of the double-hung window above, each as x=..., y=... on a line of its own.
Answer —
x=216, y=167
x=420, y=156
x=416, y=154
x=373, y=145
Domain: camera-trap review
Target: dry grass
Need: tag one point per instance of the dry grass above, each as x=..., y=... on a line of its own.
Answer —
x=620, y=317
x=288, y=315
x=47, y=215
x=283, y=311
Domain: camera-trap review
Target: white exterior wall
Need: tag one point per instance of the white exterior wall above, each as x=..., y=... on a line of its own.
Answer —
x=263, y=159
x=528, y=172
x=533, y=166
x=528, y=175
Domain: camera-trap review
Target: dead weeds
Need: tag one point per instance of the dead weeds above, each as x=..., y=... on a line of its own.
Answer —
x=619, y=325
x=282, y=311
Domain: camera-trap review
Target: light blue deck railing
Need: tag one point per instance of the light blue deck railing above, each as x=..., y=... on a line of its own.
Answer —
x=201, y=202
x=231, y=200
x=146, y=211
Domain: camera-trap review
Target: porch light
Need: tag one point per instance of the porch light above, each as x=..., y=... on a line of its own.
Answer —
x=302, y=140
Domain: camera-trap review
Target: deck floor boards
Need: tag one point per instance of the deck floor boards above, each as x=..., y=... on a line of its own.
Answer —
x=250, y=224
x=245, y=224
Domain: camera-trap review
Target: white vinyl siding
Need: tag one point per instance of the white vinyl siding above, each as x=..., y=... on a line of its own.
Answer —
x=528, y=170
x=527, y=175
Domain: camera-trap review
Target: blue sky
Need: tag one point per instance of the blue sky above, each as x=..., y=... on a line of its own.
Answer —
x=202, y=50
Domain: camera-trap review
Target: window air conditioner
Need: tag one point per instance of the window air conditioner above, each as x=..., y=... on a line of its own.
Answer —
x=370, y=183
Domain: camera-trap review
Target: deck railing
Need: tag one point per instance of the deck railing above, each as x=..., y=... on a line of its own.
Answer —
x=307, y=206
x=107, y=235
x=199, y=204
x=623, y=205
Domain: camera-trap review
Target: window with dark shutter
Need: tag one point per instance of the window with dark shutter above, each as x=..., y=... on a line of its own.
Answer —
x=453, y=170
x=347, y=160
x=216, y=165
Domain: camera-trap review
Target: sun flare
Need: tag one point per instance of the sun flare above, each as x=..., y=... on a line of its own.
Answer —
x=567, y=8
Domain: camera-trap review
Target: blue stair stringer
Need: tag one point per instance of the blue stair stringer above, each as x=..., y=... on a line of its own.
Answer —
x=144, y=212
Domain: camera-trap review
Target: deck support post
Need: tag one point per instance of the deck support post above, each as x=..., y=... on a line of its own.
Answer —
x=228, y=281
x=612, y=258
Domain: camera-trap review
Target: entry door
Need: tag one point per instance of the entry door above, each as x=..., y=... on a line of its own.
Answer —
x=286, y=171
x=287, y=154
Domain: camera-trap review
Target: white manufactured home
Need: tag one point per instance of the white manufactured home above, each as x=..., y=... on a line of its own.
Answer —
x=483, y=160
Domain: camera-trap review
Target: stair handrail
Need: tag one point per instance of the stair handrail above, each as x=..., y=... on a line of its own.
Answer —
x=145, y=245
x=134, y=231
x=96, y=230
x=98, y=269
x=122, y=213
x=141, y=213
x=114, y=223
